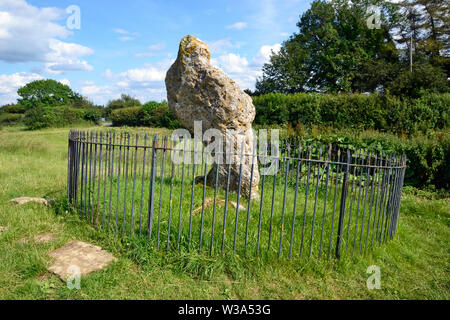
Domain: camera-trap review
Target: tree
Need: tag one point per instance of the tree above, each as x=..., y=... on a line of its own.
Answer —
x=331, y=48
x=46, y=93
x=125, y=101
x=426, y=23
x=336, y=51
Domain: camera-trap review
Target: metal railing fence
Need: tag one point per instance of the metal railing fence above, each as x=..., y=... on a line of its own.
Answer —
x=323, y=201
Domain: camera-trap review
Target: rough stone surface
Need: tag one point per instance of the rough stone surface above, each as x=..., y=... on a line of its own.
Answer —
x=23, y=200
x=83, y=255
x=198, y=91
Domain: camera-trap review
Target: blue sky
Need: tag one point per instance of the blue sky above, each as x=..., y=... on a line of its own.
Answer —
x=127, y=46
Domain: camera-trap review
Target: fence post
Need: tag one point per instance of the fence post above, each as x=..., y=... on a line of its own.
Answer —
x=69, y=169
x=152, y=188
x=342, y=209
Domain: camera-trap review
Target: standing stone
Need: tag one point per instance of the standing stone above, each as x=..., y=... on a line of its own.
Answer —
x=198, y=91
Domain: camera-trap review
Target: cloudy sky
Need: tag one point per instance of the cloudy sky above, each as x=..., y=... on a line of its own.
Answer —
x=127, y=46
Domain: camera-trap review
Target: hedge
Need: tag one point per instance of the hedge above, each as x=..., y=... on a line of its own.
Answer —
x=359, y=111
x=43, y=117
x=428, y=155
x=149, y=115
x=10, y=118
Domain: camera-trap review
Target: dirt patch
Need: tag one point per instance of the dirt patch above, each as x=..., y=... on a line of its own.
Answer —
x=44, y=238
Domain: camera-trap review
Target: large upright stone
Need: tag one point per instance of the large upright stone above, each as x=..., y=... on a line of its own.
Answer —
x=198, y=91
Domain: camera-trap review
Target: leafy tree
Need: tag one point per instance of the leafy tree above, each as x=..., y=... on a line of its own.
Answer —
x=332, y=46
x=335, y=50
x=46, y=93
x=125, y=101
x=426, y=23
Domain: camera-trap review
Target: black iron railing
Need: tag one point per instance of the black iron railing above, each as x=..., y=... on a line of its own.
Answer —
x=323, y=200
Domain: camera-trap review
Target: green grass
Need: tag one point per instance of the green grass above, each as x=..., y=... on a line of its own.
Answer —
x=414, y=265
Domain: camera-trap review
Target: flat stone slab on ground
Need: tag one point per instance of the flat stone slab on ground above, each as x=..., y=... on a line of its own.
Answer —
x=85, y=256
x=23, y=200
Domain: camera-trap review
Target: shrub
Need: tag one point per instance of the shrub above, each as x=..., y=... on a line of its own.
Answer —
x=150, y=115
x=44, y=117
x=10, y=118
x=359, y=111
x=126, y=116
x=13, y=108
x=428, y=155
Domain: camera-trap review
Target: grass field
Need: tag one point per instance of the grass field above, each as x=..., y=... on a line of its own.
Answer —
x=34, y=163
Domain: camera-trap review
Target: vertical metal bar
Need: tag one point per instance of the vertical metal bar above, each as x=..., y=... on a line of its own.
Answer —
x=134, y=183
x=299, y=162
x=306, y=201
x=325, y=201
x=163, y=159
x=99, y=178
x=338, y=167
x=365, y=201
x=359, y=201
x=170, y=202
x=192, y=191
x=342, y=209
x=352, y=194
x=87, y=191
x=107, y=171
x=142, y=184
x=214, y=209
x=380, y=171
x=238, y=197
x=93, y=178
x=69, y=171
x=111, y=173
x=83, y=164
x=250, y=195
x=386, y=199
x=151, y=197
x=205, y=175
x=273, y=203
x=260, y=210
x=181, y=193
x=370, y=203
x=315, y=203
x=226, y=208
x=284, y=200
x=118, y=184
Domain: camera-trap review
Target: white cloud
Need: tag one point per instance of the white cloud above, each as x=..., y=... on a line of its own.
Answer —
x=223, y=45
x=123, y=39
x=155, y=50
x=65, y=81
x=237, y=26
x=264, y=53
x=245, y=73
x=9, y=83
x=126, y=35
x=157, y=46
x=120, y=31
x=29, y=34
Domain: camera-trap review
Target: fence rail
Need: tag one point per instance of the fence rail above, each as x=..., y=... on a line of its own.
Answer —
x=323, y=201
